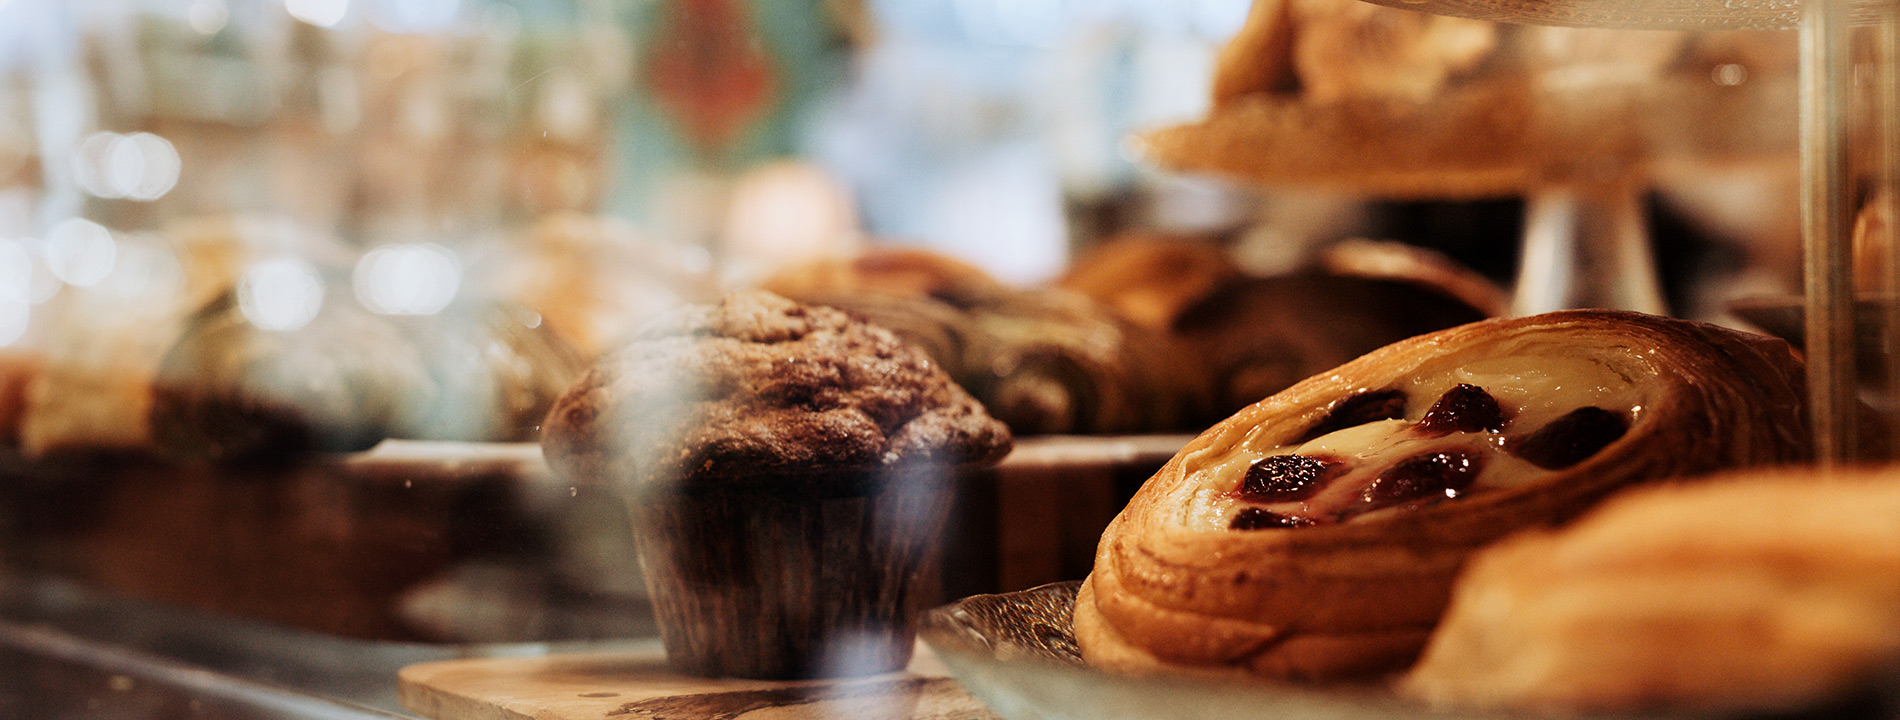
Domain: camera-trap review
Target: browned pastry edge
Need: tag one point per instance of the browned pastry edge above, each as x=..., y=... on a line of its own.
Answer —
x=1769, y=591
x=1474, y=140
x=1330, y=601
x=1259, y=58
x=1151, y=278
x=1394, y=260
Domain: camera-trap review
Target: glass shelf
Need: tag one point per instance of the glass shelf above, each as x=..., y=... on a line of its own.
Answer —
x=1631, y=14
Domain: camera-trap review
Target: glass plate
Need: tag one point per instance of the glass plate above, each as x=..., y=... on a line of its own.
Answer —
x=1017, y=652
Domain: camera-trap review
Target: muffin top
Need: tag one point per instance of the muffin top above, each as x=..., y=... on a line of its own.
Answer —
x=756, y=386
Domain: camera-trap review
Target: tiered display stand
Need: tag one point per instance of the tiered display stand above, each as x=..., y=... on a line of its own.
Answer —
x=1582, y=161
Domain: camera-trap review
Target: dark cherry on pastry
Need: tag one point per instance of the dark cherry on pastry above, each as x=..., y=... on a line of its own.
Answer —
x=787, y=469
x=1316, y=533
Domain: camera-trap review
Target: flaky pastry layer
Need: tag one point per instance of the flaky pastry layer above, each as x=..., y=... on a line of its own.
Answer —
x=1765, y=592
x=1173, y=589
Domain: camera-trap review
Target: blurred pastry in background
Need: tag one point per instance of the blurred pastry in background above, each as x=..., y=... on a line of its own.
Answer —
x=595, y=280
x=1259, y=336
x=1767, y=593
x=1053, y=361
x=1873, y=243
x=221, y=338
x=18, y=368
x=93, y=391
x=1358, y=50
x=1151, y=278
x=1309, y=92
x=104, y=341
x=496, y=369
x=1404, y=105
x=231, y=391
x=1042, y=360
x=890, y=270
x=1402, y=262
x=1329, y=50
x=1254, y=336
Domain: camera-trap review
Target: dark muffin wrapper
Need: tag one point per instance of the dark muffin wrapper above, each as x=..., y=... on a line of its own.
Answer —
x=794, y=574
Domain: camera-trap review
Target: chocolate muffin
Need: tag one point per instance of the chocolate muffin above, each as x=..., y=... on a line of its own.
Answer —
x=787, y=470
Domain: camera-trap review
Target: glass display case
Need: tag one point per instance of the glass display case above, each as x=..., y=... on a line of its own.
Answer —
x=701, y=358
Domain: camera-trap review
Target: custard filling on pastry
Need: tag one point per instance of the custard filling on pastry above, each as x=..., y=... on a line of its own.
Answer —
x=1439, y=436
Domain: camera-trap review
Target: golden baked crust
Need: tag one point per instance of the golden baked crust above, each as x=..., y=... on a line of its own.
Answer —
x=1174, y=588
x=1150, y=279
x=1386, y=101
x=1758, y=593
x=756, y=385
x=1042, y=360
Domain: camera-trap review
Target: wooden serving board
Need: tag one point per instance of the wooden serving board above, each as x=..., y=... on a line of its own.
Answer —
x=637, y=685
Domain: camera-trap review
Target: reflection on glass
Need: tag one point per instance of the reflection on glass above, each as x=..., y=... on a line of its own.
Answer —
x=80, y=252
x=321, y=13
x=281, y=295
x=139, y=166
x=407, y=279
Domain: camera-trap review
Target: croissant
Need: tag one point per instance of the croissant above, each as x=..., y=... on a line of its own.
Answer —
x=1770, y=592
x=1316, y=534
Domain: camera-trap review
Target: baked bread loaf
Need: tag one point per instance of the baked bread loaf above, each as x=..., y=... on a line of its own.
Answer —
x=1042, y=360
x=1258, y=336
x=1771, y=592
x=1152, y=279
x=1317, y=533
x=787, y=468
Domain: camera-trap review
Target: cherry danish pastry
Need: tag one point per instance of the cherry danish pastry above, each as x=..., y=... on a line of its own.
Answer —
x=1316, y=534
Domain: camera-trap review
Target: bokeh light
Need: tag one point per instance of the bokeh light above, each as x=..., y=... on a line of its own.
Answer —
x=412, y=16
x=321, y=13
x=407, y=279
x=89, y=162
x=280, y=295
x=146, y=272
x=207, y=16
x=16, y=271
x=789, y=211
x=15, y=315
x=80, y=252
x=139, y=166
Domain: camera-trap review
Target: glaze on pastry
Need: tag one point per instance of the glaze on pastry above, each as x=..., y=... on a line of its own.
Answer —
x=1316, y=533
x=1765, y=593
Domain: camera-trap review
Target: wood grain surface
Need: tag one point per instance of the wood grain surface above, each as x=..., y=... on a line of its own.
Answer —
x=636, y=684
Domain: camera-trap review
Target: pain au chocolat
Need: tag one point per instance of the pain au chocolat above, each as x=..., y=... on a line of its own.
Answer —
x=1316, y=534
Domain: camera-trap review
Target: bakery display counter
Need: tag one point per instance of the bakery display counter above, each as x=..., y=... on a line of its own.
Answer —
x=300, y=592
x=73, y=652
x=474, y=542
